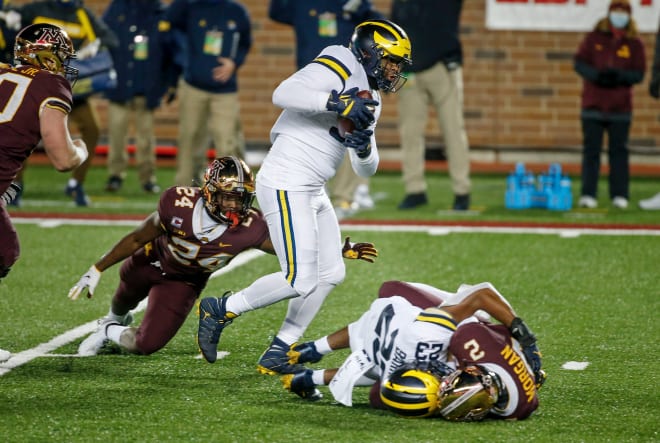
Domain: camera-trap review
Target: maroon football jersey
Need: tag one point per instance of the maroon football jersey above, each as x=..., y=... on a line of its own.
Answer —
x=491, y=346
x=24, y=92
x=194, y=247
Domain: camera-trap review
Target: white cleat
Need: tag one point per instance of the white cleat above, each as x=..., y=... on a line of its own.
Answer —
x=93, y=344
x=4, y=355
x=587, y=201
x=362, y=197
x=651, y=204
x=620, y=202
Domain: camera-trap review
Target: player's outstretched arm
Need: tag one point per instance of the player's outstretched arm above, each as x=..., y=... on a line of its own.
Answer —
x=148, y=230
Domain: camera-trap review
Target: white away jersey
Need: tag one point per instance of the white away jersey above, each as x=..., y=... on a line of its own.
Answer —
x=393, y=332
x=304, y=155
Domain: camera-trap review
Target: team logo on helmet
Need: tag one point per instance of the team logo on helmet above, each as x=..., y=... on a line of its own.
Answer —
x=411, y=392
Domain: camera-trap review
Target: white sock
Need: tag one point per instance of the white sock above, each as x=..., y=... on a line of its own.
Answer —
x=73, y=182
x=322, y=345
x=263, y=292
x=113, y=332
x=317, y=377
x=302, y=311
x=116, y=317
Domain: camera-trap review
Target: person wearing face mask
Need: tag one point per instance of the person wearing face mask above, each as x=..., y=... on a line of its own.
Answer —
x=610, y=60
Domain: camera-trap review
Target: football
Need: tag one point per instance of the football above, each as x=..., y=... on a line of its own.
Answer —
x=346, y=126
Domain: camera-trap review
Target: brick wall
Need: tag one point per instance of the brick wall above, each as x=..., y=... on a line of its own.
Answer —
x=520, y=87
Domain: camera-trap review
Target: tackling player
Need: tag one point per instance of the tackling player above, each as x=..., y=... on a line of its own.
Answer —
x=35, y=98
x=405, y=326
x=492, y=379
x=306, y=151
x=171, y=255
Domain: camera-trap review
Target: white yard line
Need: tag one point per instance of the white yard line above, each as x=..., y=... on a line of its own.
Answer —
x=45, y=349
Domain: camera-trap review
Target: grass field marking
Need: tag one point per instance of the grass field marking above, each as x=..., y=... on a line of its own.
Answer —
x=440, y=229
x=575, y=365
x=44, y=349
x=449, y=229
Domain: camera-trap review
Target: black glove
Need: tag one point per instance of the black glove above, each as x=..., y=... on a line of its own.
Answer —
x=608, y=78
x=349, y=105
x=10, y=194
x=360, y=140
x=654, y=86
x=521, y=332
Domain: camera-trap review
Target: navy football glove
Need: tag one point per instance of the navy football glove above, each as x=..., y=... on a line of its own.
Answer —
x=353, y=107
x=360, y=140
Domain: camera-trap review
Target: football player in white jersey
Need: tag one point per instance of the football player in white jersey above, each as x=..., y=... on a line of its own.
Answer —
x=394, y=332
x=308, y=146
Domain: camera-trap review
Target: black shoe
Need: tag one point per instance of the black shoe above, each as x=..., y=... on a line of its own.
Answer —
x=151, y=188
x=461, y=202
x=413, y=200
x=114, y=183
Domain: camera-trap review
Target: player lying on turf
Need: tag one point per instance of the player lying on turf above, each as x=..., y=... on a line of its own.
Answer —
x=413, y=325
x=171, y=255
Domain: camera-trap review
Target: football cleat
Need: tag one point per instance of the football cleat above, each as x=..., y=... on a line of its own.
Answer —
x=93, y=344
x=213, y=318
x=304, y=353
x=302, y=385
x=276, y=361
x=98, y=340
x=77, y=193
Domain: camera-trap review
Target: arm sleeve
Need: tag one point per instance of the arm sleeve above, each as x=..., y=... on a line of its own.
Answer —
x=586, y=71
x=365, y=167
x=307, y=90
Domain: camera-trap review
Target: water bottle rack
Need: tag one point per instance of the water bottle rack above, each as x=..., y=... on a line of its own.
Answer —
x=551, y=190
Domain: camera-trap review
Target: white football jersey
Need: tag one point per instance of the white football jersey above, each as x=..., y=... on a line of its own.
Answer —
x=304, y=156
x=394, y=332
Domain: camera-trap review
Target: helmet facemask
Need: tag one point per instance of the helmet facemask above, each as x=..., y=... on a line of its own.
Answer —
x=468, y=394
x=383, y=49
x=228, y=179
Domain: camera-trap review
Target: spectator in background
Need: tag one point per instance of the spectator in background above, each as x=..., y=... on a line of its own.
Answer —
x=317, y=24
x=10, y=23
x=145, y=71
x=88, y=34
x=610, y=60
x=436, y=77
x=217, y=39
x=653, y=203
